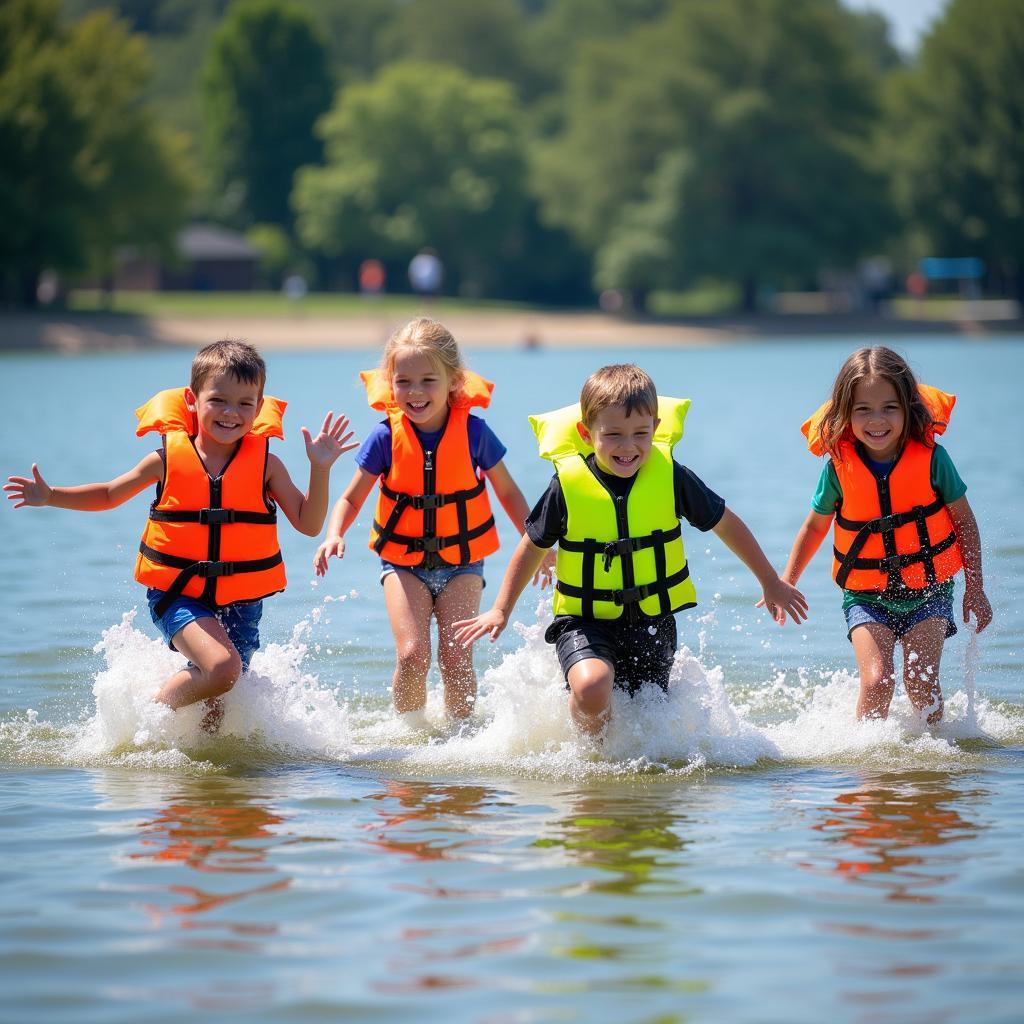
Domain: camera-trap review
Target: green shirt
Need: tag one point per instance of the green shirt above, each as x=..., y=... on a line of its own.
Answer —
x=946, y=483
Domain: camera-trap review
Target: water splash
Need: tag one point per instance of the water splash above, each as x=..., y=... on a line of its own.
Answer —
x=279, y=712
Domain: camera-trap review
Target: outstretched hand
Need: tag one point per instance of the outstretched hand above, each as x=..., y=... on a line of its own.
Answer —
x=332, y=546
x=331, y=443
x=23, y=491
x=780, y=598
x=976, y=601
x=468, y=631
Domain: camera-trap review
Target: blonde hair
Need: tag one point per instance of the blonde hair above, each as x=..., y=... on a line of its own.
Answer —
x=887, y=365
x=229, y=355
x=431, y=339
x=619, y=384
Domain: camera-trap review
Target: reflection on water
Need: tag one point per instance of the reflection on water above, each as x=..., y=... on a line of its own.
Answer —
x=213, y=830
x=627, y=838
x=888, y=835
x=427, y=822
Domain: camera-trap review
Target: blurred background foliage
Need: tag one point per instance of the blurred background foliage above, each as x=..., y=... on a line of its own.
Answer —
x=546, y=149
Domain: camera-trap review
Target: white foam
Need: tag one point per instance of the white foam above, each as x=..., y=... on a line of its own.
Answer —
x=279, y=712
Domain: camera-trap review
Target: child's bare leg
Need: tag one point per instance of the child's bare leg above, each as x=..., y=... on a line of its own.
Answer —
x=873, y=645
x=460, y=599
x=410, y=605
x=922, y=650
x=215, y=664
x=590, y=685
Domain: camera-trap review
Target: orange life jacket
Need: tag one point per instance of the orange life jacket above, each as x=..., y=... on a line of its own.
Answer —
x=432, y=502
x=891, y=534
x=211, y=539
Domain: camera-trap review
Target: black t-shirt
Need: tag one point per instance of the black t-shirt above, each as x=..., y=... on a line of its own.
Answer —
x=695, y=502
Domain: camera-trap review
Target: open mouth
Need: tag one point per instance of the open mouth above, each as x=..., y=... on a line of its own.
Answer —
x=418, y=406
x=625, y=461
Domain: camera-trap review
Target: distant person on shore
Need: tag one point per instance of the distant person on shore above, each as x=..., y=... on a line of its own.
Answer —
x=433, y=525
x=372, y=279
x=209, y=552
x=426, y=273
x=613, y=508
x=903, y=526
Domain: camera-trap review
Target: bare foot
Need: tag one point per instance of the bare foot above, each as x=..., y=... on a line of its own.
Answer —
x=213, y=717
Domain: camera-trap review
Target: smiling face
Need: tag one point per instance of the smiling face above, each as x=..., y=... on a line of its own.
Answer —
x=877, y=418
x=421, y=389
x=225, y=408
x=621, y=443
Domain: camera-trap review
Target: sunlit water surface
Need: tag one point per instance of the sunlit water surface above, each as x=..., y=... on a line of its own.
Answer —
x=738, y=850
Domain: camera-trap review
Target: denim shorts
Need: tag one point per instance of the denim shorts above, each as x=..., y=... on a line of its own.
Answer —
x=901, y=623
x=241, y=621
x=435, y=580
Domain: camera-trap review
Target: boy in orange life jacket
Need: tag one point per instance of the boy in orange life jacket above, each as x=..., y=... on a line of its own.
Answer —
x=209, y=553
x=613, y=508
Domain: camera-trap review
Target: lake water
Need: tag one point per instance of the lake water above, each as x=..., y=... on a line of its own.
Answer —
x=741, y=850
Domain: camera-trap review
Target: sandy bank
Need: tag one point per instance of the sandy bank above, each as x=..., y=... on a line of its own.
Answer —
x=97, y=332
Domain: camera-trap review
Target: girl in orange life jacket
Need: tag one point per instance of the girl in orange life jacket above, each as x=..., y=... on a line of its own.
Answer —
x=211, y=448
x=903, y=526
x=433, y=525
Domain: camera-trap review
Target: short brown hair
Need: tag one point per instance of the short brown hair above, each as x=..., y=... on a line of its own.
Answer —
x=619, y=384
x=238, y=358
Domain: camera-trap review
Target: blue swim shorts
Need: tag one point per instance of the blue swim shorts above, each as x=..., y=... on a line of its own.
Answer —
x=435, y=580
x=241, y=621
x=901, y=623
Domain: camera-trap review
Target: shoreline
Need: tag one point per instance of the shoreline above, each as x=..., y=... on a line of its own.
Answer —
x=71, y=333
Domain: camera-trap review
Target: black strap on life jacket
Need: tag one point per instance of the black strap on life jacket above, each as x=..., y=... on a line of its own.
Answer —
x=430, y=541
x=214, y=518
x=623, y=548
x=886, y=525
x=206, y=570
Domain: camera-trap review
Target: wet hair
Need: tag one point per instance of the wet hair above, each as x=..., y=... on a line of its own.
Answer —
x=619, y=384
x=238, y=358
x=883, y=363
x=431, y=339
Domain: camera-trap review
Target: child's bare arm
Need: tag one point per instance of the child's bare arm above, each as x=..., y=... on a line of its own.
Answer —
x=306, y=512
x=779, y=597
x=526, y=560
x=98, y=497
x=343, y=515
x=514, y=504
x=967, y=533
x=808, y=539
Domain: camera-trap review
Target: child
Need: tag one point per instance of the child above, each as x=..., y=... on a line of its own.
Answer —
x=209, y=553
x=433, y=525
x=613, y=507
x=903, y=527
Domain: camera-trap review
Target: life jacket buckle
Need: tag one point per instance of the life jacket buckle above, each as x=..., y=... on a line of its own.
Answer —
x=891, y=563
x=632, y=595
x=216, y=516
x=427, y=502
x=207, y=569
x=427, y=544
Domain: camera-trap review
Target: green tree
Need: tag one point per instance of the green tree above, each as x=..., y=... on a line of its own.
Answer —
x=265, y=82
x=955, y=138
x=731, y=137
x=85, y=168
x=422, y=155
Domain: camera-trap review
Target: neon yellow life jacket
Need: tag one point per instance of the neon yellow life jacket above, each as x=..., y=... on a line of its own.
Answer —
x=618, y=552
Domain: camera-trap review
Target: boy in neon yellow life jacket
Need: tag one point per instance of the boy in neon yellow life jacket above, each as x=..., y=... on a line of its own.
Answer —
x=613, y=507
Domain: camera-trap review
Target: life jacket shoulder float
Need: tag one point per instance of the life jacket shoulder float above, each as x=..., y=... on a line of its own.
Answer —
x=891, y=534
x=618, y=554
x=432, y=503
x=213, y=539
